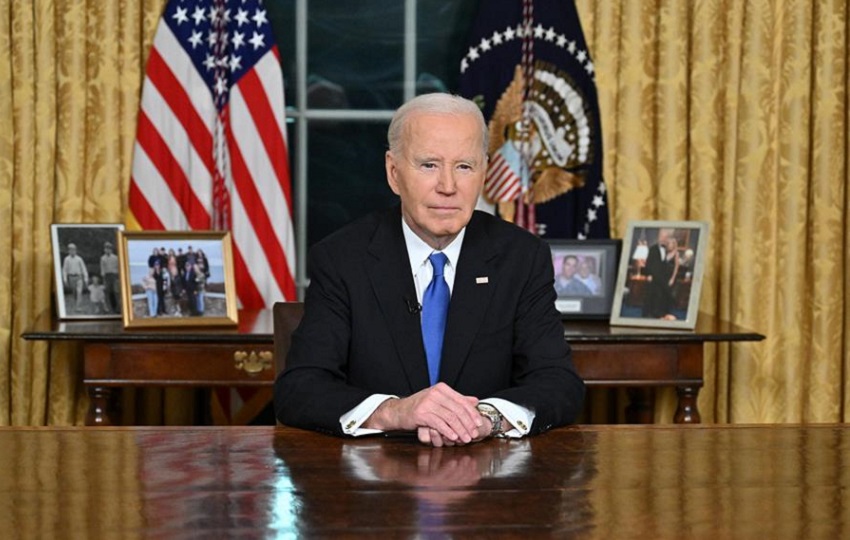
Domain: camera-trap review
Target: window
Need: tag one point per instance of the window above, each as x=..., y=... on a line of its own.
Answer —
x=347, y=66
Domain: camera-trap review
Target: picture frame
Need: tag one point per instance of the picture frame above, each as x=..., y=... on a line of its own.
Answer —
x=655, y=288
x=88, y=284
x=172, y=279
x=585, y=275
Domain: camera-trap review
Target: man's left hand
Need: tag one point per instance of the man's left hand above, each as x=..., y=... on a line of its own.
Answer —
x=432, y=437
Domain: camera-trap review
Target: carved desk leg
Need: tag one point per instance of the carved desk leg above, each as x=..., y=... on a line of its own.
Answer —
x=686, y=410
x=101, y=411
x=97, y=359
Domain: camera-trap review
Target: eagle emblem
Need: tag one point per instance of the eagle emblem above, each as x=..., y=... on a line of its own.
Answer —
x=544, y=141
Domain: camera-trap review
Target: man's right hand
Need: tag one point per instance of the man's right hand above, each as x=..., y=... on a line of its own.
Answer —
x=438, y=410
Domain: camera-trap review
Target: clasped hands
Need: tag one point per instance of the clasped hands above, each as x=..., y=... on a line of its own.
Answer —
x=440, y=415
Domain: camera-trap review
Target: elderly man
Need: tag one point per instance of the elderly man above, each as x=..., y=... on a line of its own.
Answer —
x=109, y=271
x=431, y=317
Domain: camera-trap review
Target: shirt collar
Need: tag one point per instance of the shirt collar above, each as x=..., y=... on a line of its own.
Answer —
x=418, y=251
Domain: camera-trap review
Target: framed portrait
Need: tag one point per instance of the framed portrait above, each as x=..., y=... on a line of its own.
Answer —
x=177, y=278
x=585, y=273
x=86, y=270
x=660, y=275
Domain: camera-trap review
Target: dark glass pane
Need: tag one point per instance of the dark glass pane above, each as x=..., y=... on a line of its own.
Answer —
x=292, y=144
x=440, y=47
x=355, y=54
x=346, y=175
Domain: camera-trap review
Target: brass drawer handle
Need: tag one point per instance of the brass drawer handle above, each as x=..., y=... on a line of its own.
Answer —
x=252, y=362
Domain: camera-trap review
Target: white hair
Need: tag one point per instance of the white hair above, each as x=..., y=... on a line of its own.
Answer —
x=436, y=103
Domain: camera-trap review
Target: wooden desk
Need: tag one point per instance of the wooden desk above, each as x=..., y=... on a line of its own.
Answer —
x=638, y=358
x=604, y=356
x=196, y=357
x=604, y=482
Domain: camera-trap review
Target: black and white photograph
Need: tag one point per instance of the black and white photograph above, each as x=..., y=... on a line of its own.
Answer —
x=660, y=275
x=86, y=270
x=177, y=279
x=585, y=272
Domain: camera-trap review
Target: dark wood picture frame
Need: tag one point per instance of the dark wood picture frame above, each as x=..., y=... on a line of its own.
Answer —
x=585, y=274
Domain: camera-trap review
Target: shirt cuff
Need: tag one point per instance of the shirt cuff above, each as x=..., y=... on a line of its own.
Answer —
x=353, y=419
x=519, y=417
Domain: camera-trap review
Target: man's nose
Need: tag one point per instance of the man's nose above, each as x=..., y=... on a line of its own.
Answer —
x=447, y=183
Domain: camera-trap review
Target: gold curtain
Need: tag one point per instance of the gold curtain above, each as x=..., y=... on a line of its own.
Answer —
x=735, y=112
x=70, y=75
x=730, y=111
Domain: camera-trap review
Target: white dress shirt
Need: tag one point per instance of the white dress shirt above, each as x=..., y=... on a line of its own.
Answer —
x=420, y=267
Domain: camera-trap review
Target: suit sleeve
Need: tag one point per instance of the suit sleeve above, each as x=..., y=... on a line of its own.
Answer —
x=543, y=376
x=312, y=392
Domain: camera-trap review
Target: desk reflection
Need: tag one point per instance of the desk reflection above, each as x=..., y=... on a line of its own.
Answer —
x=439, y=475
x=596, y=482
x=399, y=486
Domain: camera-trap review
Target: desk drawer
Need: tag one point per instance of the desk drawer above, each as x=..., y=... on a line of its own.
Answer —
x=157, y=364
x=636, y=364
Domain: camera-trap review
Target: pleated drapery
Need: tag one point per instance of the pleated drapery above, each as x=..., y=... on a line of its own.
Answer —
x=735, y=112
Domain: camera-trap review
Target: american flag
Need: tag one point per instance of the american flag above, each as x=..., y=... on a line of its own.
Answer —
x=211, y=148
x=504, y=175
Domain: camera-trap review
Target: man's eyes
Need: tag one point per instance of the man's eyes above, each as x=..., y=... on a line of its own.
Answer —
x=466, y=167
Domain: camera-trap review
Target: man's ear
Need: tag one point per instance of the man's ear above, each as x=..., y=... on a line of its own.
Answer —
x=392, y=172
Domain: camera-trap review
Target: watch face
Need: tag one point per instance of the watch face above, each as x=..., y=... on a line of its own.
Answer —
x=486, y=408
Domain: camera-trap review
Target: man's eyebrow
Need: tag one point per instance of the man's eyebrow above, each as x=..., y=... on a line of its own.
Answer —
x=424, y=158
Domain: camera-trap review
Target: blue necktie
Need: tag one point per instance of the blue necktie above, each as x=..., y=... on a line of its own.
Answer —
x=435, y=307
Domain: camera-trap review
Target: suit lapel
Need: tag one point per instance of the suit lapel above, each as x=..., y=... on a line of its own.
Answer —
x=471, y=294
x=392, y=282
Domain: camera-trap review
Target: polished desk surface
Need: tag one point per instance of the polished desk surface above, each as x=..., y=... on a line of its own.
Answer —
x=585, y=482
x=257, y=326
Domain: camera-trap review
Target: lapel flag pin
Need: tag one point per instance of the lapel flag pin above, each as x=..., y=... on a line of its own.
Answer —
x=483, y=279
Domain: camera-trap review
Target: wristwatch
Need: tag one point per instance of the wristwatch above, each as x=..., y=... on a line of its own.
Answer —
x=491, y=413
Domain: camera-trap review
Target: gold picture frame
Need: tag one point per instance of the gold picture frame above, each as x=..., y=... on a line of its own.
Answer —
x=660, y=276
x=171, y=278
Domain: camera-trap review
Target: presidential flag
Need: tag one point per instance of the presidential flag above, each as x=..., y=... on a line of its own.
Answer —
x=211, y=148
x=528, y=67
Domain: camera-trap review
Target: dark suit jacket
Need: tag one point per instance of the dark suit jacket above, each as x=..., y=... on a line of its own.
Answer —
x=358, y=337
x=659, y=300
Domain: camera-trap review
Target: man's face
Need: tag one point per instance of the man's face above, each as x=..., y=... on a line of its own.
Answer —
x=438, y=173
x=569, y=268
